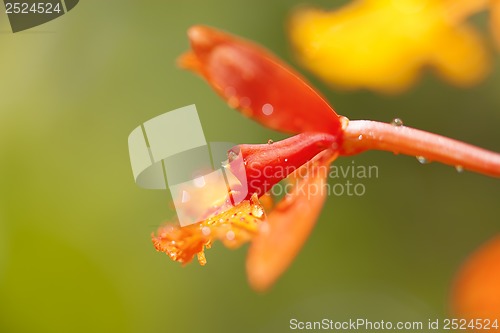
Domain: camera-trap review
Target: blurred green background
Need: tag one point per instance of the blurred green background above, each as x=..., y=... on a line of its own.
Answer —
x=75, y=248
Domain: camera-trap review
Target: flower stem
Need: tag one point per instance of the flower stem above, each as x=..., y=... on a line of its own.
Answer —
x=361, y=135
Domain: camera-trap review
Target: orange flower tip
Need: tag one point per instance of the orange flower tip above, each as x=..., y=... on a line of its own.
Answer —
x=204, y=39
x=258, y=276
x=189, y=61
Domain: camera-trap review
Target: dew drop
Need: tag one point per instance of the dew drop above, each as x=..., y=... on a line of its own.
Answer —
x=459, y=168
x=422, y=160
x=205, y=231
x=286, y=159
x=257, y=211
x=267, y=109
x=397, y=122
x=360, y=137
x=230, y=235
x=270, y=142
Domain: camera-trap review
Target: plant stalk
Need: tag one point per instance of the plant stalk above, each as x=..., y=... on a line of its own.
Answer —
x=361, y=135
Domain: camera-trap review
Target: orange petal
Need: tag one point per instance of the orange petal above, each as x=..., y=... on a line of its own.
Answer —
x=289, y=224
x=476, y=293
x=257, y=83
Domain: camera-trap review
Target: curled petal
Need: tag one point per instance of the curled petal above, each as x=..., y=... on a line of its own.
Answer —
x=476, y=293
x=233, y=227
x=257, y=83
x=289, y=224
x=267, y=164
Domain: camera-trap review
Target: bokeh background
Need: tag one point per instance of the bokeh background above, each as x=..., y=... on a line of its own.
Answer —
x=75, y=248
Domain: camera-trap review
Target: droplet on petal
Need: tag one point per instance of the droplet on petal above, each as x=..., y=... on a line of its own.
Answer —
x=397, y=122
x=422, y=160
x=267, y=109
x=257, y=211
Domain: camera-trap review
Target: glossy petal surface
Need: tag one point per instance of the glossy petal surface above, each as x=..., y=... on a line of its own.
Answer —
x=257, y=83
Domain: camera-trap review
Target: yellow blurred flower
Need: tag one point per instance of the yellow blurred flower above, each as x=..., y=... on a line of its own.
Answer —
x=384, y=44
x=495, y=20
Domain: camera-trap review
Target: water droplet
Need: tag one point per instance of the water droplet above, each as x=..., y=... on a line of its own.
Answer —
x=344, y=121
x=360, y=137
x=257, y=211
x=422, y=160
x=270, y=142
x=286, y=159
x=459, y=168
x=267, y=109
x=397, y=122
x=230, y=235
x=205, y=231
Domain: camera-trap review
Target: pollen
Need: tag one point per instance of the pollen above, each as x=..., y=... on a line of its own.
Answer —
x=233, y=227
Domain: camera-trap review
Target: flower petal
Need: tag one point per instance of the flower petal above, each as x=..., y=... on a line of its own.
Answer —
x=289, y=224
x=257, y=83
x=476, y=292
x=267, y=164
x=358, y=46
x=495, y=20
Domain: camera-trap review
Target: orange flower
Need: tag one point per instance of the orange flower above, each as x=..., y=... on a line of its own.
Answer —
x=476, y=293
x=262, y=87
x=384, y=44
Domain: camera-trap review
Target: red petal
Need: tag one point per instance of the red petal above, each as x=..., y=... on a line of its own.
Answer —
x=257, y=83
x=267, y=164
x=289, y=225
